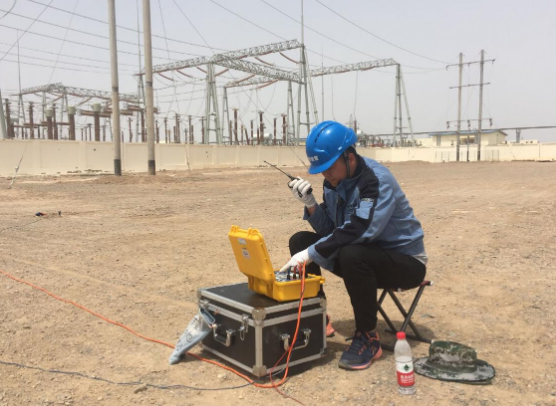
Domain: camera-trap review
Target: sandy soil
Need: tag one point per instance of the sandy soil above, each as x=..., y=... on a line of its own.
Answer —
x=137, y=248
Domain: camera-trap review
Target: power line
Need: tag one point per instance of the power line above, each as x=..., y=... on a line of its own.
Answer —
x=333, y=40
x=124, y=28
x=377, y=37
x=10, y=10
x=270, y=32
x=96, y=35
x=68, y=56
x=200, y=35
x=49, y=66
x=168, y=51
x=319, y=33
x=63, y=42
x=25, y=32
x=69, y=63
x=72, y=42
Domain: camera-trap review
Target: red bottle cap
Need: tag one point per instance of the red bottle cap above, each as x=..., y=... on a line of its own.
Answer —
x=400, y=335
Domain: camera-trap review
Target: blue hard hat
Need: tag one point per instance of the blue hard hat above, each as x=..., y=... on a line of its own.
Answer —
x=326, y=142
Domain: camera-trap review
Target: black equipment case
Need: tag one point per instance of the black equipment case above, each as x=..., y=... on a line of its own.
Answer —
x=253, y=331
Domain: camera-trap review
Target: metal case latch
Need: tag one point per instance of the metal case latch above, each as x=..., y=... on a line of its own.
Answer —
x=286, y=339
x=244, y=327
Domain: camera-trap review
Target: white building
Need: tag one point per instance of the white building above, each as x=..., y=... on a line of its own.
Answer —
x=449, y=138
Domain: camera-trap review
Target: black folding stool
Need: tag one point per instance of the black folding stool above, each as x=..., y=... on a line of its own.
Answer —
x=406, y=314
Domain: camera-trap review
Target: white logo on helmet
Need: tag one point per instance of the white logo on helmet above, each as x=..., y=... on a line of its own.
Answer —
x=313, y=158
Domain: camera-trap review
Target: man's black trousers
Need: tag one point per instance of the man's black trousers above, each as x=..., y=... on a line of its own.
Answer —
x=364, y=269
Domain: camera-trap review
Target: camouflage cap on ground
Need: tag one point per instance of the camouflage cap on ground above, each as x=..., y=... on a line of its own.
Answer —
x=450, y=361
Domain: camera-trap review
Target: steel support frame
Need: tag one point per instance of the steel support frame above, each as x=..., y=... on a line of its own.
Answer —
x=60, y=89
x=211, y=107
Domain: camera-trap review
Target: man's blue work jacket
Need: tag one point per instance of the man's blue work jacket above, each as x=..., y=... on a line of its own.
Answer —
x=369, y=207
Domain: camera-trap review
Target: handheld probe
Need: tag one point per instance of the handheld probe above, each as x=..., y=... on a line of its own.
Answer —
x=291, y=178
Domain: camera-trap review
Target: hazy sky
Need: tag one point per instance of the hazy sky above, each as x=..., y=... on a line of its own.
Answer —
x=520, y=35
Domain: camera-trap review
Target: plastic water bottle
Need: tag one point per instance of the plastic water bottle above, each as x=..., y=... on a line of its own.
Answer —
x=404, y=365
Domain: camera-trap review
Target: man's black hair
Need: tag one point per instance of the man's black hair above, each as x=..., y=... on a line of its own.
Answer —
x=351, y=150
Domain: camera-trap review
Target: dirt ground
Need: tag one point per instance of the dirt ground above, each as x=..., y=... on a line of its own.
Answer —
x=136, y=249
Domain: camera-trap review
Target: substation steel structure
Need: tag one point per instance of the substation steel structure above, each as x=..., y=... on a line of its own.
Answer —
x=61, y=92
x=262, y=75
x=231, y=60
x=262, y=81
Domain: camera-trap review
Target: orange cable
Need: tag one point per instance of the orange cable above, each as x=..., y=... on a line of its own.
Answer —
x=87, y=310
x=302, y=285
x=258, y=385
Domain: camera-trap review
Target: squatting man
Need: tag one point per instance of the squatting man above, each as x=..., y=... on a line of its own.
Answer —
x=365, y=233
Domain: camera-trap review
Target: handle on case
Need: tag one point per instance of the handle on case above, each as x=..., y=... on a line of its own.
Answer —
x=224, y=341
x=286, y=339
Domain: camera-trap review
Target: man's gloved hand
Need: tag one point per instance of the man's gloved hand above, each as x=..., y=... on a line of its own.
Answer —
x=300, y=190
x=297, y=260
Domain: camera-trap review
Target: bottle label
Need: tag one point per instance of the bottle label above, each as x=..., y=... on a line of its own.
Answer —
x=406, y=376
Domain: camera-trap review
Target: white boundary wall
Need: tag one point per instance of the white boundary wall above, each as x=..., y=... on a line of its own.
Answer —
x=52, y=157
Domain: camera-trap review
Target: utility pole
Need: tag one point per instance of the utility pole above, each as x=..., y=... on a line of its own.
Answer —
x=480, y=107
x=406, y=107
x=481, y=84
x=459, y=109
x=147, y=39
x=3, y=129
x=115, y=87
